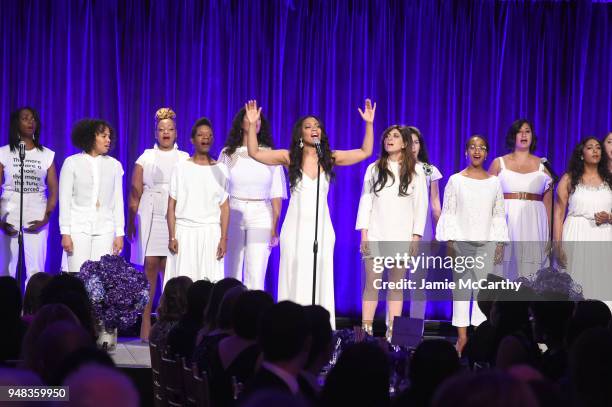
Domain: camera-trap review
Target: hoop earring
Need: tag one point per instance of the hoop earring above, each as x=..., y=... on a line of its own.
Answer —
x=301, y=143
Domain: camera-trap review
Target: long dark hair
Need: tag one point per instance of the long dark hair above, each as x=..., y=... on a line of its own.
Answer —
x=604, y=156
x=235, y=137
x=406, y=164
x=422, y=156
x=513, y=131
x=575, y=169
x=295, y=153
x=14, y=136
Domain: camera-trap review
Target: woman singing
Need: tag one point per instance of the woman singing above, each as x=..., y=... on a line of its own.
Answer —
x=473, y=218
x=585, y=193
x=147, y=224
x=39, y=194
x=91, y=196
x=198, y=211
x=256, y=191
x=392, y=208
x=527, y=198
x=296, y=240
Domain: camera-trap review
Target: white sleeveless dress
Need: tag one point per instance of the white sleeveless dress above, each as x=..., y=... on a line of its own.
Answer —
x=587, y=245
x=527, y=222
x=296, y=242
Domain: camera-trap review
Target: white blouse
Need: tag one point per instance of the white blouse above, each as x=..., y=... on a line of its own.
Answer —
x=199, y=190
x=250, y=179
x=388, y=216
x=91, y=195
x=473, y=210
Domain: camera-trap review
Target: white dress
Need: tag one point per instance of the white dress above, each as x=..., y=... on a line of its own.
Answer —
x=473, y=217
x=152, y=226
x=199, y=191
x=296, y=243
x=527, y=222
x=432, y=174
x=379, y=212
x=587, y=245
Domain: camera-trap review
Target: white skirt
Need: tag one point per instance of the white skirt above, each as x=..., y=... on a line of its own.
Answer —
x=157, y=245
x=197, y=254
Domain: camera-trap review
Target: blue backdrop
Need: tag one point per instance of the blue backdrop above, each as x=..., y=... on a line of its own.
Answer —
x=452, y=68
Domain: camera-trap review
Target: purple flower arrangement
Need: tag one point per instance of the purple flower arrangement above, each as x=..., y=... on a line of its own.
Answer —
x=118, y=292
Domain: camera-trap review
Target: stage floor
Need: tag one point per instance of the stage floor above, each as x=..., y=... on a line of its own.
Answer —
x=131, y=352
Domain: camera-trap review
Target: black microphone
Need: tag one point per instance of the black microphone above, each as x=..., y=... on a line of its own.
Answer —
x=22, y=150
x=549, y=167
x=317, y=144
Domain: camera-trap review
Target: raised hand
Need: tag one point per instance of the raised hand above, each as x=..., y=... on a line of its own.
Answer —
x=252, y=112
x=368, y=113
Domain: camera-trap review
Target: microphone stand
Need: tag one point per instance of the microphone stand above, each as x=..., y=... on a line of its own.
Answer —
x=315, y=245
x=21, y=253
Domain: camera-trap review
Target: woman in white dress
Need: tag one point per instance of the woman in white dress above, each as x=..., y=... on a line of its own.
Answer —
x=39, y=195
x=418, y=304
x=585, y=193
x=198, y=212
x=392, y=185
x=297, y=233
x=256, y=193
x=528, y=200
x=91, y=196
x=473, y=219
x=147, y=228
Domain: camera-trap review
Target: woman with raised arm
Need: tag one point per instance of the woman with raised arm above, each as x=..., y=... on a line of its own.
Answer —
x=473, y=221
x=585, y=193
x=297, y=232
x=147, y=226
x=39, y=194
x=527, y=198
x=392, y=209
x=256, y=193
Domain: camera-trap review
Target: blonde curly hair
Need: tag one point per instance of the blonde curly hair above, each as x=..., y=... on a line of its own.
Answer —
x=163, y=114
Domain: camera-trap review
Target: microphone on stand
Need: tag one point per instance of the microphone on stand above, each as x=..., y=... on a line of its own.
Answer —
x=22, y=150
x=317, y=144
x=549, y=168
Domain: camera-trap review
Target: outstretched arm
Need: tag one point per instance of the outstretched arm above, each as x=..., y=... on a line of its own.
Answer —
x=349, y=157
x=268, y=157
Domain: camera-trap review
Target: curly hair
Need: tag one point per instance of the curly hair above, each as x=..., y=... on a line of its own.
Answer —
x=84, y=133
x=513, y=131
x=575, y=169
x=407, y=163
x=235, y=137
x=163, y=114
x=14, y=136
x=422, y=156
x=295, y=153
x=173, y=302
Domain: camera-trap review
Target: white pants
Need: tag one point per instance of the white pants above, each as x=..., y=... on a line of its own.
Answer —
x=34, y=244
x=461, y=308
x=249, y=231
x=88, y=247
